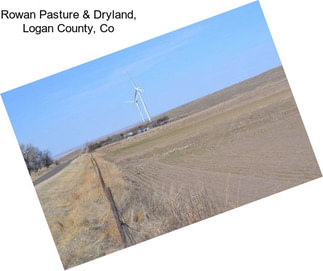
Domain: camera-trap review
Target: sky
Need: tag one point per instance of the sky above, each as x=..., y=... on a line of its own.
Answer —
x=68, y=109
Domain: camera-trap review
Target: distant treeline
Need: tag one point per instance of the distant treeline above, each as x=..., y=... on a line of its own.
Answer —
x=35, y=159
x=127, y=133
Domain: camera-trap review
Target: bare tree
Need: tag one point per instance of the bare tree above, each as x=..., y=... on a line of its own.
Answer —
x=46, y=159
x=35, y=159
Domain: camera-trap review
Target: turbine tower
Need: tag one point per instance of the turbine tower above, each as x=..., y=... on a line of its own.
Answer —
x=138, y=93
x=139, y=109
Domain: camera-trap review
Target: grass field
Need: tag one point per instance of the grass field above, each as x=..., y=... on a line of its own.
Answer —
x=219, y=152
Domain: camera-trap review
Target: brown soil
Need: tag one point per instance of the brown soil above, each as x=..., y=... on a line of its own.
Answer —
x=250, y=145
x=222, y=151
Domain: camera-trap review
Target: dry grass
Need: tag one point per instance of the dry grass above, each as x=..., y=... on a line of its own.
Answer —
x=41, y=172
x=78, y=214
x=35, y=175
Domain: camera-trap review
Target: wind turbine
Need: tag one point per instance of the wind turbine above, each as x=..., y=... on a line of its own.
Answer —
x=138, y=93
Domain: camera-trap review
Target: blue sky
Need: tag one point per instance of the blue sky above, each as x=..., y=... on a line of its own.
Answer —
x=81, y=104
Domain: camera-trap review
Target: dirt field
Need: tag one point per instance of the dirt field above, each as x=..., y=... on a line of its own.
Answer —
x=224, y=150
x=250, y=145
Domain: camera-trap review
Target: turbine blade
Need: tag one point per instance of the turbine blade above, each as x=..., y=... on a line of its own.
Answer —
x=133, y=84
